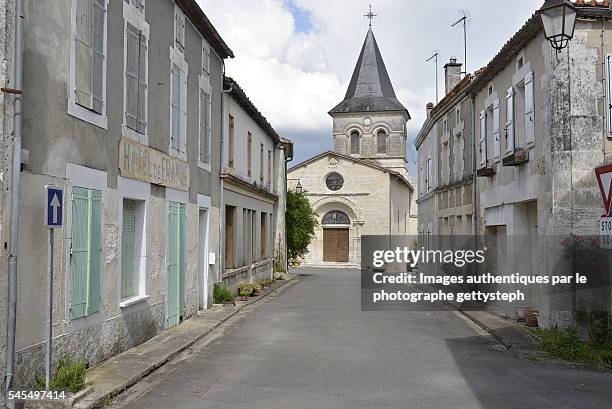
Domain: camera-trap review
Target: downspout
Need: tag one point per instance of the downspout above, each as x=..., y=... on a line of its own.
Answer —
x=14, y=214
x=221, y=196
x=474, y=174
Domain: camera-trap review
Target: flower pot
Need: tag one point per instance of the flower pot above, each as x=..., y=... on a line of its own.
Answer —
x=531, y=318
x=520, y=313
x=244, y=298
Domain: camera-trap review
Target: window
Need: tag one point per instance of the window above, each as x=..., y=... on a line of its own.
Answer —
x=85, y=252
x=179, y=29
x=250, y=153
x=205, y=125
x=510, y=121
x=334, y=181
x=138, y=4
x=496, y=136
x=132, y=257
x=229, y=237
x=262, y=232
x=135, y=79
x=335, y=217
x=261, y=163
x=482, y=147
x=608, y=75
x=524, y=119
x=355, y=142
x=269, y=167
x=88, y=62
x=381, y=141
x=230, y=143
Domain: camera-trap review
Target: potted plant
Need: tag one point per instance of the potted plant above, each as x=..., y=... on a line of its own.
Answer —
x=256, y=288
x=531, y=318
x=244, y=294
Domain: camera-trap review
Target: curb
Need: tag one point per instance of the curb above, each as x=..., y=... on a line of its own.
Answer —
x=81, y=401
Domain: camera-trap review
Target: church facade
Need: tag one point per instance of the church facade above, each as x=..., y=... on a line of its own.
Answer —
x=362, y=187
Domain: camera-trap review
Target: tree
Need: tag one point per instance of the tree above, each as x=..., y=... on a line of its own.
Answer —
x=301, y=222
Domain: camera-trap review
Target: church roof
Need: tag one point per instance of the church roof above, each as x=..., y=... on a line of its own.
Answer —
x=370, y=88
x=370, y=164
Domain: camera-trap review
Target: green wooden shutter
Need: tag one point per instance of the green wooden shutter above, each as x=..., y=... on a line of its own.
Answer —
x=182, y=256
x=172, y=281
x=99, y=11
x=95, y=250
x=127, y=249
x=83, y=53
x=79, y=253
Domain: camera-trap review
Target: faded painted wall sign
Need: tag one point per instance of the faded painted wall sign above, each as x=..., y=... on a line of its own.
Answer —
x=140, y=162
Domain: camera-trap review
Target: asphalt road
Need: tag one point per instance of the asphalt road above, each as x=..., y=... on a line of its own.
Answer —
x=312, y=348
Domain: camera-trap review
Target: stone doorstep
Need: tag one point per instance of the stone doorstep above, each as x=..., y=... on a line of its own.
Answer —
x=117, y=374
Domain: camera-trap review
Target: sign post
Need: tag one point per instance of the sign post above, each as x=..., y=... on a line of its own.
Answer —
x=54, y=210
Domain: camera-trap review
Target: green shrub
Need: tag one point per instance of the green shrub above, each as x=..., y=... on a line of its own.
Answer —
x=222, y=295
x=566, y=345
x=245, y=293
x=69, y=376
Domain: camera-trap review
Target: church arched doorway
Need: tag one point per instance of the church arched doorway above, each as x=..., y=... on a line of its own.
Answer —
x=336, y=225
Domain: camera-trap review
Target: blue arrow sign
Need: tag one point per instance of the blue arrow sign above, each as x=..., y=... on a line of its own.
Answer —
x=54, y=207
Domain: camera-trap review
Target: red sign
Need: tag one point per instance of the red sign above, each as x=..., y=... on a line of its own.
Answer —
x=604, y=179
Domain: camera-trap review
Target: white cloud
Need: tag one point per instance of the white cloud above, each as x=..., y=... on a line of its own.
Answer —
x=295, y=78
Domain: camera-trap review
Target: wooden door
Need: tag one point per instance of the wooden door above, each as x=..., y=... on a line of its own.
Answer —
x=336, y=245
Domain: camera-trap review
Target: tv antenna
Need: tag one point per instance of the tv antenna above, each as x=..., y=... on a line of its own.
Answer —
x=435, y=58
x=465, y=16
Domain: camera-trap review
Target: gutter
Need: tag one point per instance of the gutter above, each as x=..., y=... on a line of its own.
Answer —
x=15, y=187
x=221, y=195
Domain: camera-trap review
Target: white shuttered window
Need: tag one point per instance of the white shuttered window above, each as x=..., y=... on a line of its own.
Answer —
x=529, y=111
x=90, y=54
x=496, y=138
x=205, y=116
x=609, y=91
x=135, y=80
x=483, y=139
x=510, y=121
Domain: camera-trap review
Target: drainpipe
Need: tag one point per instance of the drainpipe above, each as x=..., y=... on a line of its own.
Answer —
x=474, y=175
x=221, y=196
x=15, y=184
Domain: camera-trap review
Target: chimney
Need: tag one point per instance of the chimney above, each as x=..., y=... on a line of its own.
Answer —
x=452, y=74
x=429, y=107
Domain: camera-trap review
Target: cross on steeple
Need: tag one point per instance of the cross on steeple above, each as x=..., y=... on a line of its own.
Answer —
x=370, y=15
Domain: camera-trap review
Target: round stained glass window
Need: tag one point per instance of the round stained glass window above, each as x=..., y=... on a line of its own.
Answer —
x=334, y=181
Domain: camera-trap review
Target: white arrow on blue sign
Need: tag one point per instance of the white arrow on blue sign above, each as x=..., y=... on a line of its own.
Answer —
x=54, y=206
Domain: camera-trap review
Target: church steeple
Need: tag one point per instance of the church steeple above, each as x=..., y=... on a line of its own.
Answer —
x=370, y=88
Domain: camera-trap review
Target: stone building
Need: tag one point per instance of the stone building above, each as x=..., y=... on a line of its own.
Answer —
x=254, y=190
x=122, y=108
x=363, y=186
x=540, y=124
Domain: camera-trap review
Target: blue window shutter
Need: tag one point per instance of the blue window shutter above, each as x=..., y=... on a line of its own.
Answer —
x=131, y=77
x=142, y=84
x=79, y=253
x=182, y=255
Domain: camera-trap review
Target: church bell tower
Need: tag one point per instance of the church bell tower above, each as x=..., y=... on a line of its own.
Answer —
x=370, y=123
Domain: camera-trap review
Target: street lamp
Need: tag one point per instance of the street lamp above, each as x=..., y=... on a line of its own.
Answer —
x=558, y=20
x=298, y=187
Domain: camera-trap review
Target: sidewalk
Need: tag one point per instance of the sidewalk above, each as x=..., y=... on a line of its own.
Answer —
x=514, y=336
x=119, y=373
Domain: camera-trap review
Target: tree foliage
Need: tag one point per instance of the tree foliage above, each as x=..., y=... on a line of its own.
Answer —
x=301, y=222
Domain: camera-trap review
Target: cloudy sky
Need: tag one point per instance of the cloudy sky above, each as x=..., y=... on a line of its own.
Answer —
x=294, y=58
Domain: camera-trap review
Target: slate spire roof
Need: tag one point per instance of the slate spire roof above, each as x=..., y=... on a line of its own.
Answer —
x=370, y=88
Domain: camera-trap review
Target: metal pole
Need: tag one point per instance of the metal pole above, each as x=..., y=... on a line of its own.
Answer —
x=14, y=213
x=465, y=45
x=48, y=356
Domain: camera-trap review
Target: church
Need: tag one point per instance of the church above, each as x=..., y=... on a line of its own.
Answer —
x=362, y=187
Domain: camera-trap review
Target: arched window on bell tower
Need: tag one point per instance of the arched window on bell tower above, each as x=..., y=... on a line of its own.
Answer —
x=355, y=148
x=381, y=141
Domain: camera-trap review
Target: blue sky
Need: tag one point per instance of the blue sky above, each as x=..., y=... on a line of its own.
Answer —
x=294, y=58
